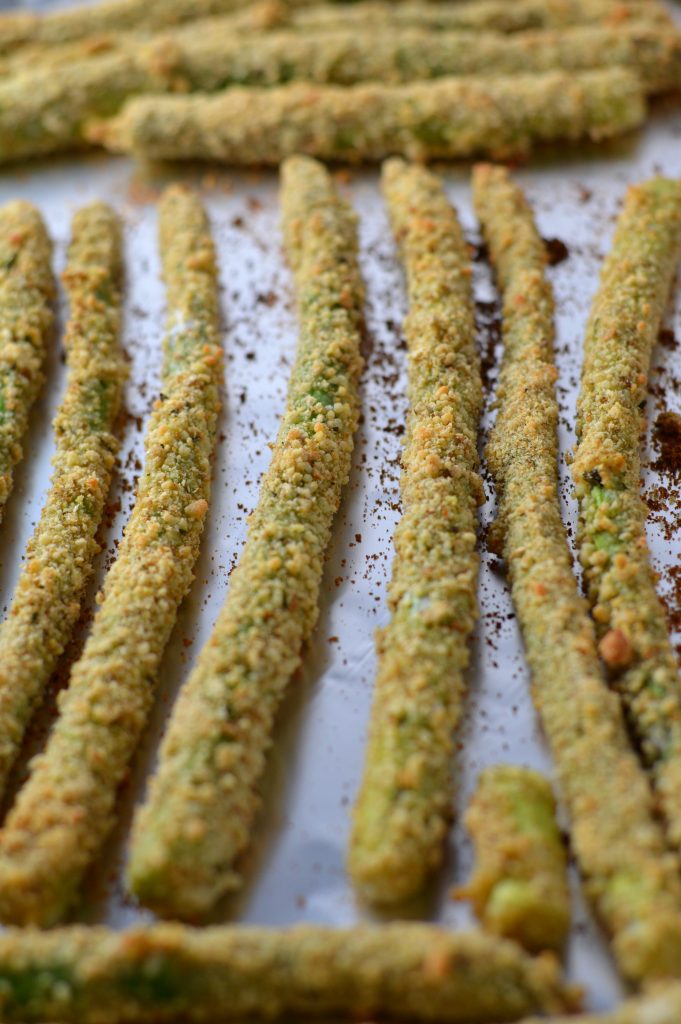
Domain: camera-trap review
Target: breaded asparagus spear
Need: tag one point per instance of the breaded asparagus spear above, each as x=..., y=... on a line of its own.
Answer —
x=630, y=619
x=58, y=562
x=483, y=15
x=26, y=293
x=65, y=810
x=203, y=799
x=631, y=879
x=171, y=973
x=404, y=804
x=444, y=119
x=209, y=62
x=43, y=112
x=79, y=22
x=519, y=886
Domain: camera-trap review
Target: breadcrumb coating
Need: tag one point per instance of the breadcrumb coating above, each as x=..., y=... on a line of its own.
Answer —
x=405, y=800
x=630, y=619
x=59, y=558
x=203, y=799
x=26, y=293
x=66, y=808
x=629, y=875
x=170, y=973
x=519, y=885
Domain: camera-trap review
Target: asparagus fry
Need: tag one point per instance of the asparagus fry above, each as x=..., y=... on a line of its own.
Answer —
x=519, y=887
x=209, y=62
x=203, y=799
x=490, y=15
x=169, y=973
x=26, y=293
x=58, y=27
x=403, y=808
x=65, y=810
x=629, y=876
x=630, y=619
x=59, y=557
x=445, y=119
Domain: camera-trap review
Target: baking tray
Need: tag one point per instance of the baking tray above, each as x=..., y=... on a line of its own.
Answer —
x=294, y=870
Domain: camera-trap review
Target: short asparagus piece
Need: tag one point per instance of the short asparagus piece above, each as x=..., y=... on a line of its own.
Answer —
x=203, y=799
x=405, y=800
x=58, y=562
x=629, y=876
x=26, y=293
x=66, y=808
x=170, y=973
x=444, y=119
x=519, y=886
x=630, y=619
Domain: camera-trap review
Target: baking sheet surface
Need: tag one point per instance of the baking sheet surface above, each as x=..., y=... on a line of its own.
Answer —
x=295, y=867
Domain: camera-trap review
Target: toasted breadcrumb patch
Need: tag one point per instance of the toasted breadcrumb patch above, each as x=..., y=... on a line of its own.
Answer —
x=66, y=808
x=630, y=618
x=26, y=293
x=444, y=119
x=404, y=805
x=630, y=877
x=203, y=799
x=519, y=886
x=59, y=558
x=171, y=974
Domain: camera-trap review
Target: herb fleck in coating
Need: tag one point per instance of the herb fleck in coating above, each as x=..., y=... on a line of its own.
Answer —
x=66, y=808
x=444, y=119
x=630, y=877
x=630, y=619
x=404, y=804
x=519, y=886
x=59, y=558
x=203, y=799
x=171, y=973
x=26, y=293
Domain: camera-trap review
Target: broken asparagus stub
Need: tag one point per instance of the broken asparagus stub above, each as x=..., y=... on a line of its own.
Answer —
x=203, y=799
x=171, y=974
x=630, y=619
x=629, y=875
x=404, y=804
x=447, y=118
x=65, y=810
x=519, y=885
x=58, y=563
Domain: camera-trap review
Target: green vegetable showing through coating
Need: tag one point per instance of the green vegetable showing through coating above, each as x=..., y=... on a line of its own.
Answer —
x=404, y=804
x=203, y=800
x=519, y=886
x=59, y=558
x=444, y=119
x=26, y=294
x=630, y=618
x=66, y=808
x=170, y=973
x=630, y=877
